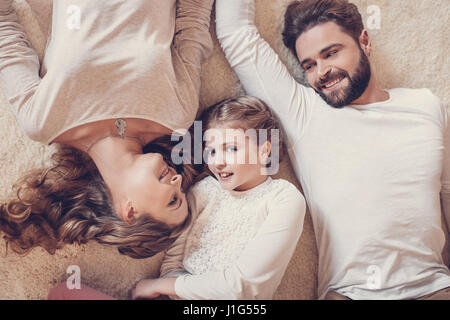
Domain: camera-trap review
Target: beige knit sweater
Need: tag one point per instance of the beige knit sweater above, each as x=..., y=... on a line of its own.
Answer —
x=107, y=59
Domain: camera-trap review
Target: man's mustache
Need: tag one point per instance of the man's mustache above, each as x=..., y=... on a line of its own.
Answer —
x=331, y=76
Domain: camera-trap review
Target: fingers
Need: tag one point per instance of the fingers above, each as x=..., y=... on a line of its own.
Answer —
x=144, y=290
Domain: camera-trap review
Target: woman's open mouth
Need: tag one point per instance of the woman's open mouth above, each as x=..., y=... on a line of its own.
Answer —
x=164, y=173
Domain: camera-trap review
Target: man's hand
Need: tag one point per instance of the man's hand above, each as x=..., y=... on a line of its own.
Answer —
x=153, y=288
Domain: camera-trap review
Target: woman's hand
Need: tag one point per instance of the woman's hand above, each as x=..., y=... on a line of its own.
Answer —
x=153, y=288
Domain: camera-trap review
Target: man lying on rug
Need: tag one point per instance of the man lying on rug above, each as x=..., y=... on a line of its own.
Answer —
x=373, y=163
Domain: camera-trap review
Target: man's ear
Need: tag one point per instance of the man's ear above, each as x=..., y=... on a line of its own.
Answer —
x=365, y=42
x=129, y=212
x=264, y=152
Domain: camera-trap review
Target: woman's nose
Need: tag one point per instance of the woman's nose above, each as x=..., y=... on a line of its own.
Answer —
x=176, y=179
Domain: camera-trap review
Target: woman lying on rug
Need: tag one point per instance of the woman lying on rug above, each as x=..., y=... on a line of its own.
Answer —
x=119, y=76
x=245, y=225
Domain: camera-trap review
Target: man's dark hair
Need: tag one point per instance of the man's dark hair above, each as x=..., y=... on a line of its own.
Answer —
x=303, y=15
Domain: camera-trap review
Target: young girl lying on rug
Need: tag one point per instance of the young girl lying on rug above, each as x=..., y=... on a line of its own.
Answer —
x=245, y=225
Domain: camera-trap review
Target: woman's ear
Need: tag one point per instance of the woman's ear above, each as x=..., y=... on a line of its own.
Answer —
x=129, y=212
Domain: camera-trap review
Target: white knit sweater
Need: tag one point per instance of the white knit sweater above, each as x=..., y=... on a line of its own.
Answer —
x=239, y=243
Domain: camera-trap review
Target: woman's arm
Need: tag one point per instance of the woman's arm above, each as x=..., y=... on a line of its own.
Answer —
x=19, y=63
x=192, y=39
x=42, y=10
x=259, y=68
x=259, y=270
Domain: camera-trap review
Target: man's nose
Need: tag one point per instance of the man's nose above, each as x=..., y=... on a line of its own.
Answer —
x=324, y=70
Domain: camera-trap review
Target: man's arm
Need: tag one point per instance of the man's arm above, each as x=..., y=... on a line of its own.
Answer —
x=445, y=178
x=259, y=68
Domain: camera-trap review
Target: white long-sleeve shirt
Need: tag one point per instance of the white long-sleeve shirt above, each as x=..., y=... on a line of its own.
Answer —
x=372, y=174
x=126, y=59
x=239, y=244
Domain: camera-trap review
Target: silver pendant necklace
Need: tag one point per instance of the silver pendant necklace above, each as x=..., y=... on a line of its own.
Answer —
x=121, y=126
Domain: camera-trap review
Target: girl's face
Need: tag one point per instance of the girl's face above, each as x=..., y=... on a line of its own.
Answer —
x=235, y=158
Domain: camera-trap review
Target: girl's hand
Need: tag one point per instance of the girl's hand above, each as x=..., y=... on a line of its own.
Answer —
x=153, y=288
x=147, y=288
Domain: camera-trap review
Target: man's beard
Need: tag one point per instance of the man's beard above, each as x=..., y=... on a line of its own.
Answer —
x=357, y=84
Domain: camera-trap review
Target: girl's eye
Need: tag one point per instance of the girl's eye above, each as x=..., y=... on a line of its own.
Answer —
x=209, y=153
x=231, y=149
x=173, y=201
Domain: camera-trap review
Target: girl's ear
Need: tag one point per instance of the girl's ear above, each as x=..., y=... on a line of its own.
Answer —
x=264, y=152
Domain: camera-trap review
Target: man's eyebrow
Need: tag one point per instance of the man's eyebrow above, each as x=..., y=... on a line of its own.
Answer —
x=330, y=47
x=322, y=52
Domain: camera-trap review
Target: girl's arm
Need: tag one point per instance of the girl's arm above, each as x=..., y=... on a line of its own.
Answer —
x=153, y=288
x=172, y=264
x=259, y=270
x=171, y=267
x=19, y=63
x=260, y=69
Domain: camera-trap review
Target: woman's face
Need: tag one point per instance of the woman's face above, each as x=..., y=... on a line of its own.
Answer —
x=154, y=189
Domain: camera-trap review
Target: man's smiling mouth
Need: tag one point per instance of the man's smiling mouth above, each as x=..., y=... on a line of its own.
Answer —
x=332, y=83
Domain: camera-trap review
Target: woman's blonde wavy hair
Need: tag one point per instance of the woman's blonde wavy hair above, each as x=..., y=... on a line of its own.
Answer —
x=69, y=202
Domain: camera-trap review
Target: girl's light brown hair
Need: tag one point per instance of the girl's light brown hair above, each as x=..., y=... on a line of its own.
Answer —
x=69, y=202
x=245, y=112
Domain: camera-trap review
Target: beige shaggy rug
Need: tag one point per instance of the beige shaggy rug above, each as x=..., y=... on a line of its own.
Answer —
x=410, y=40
